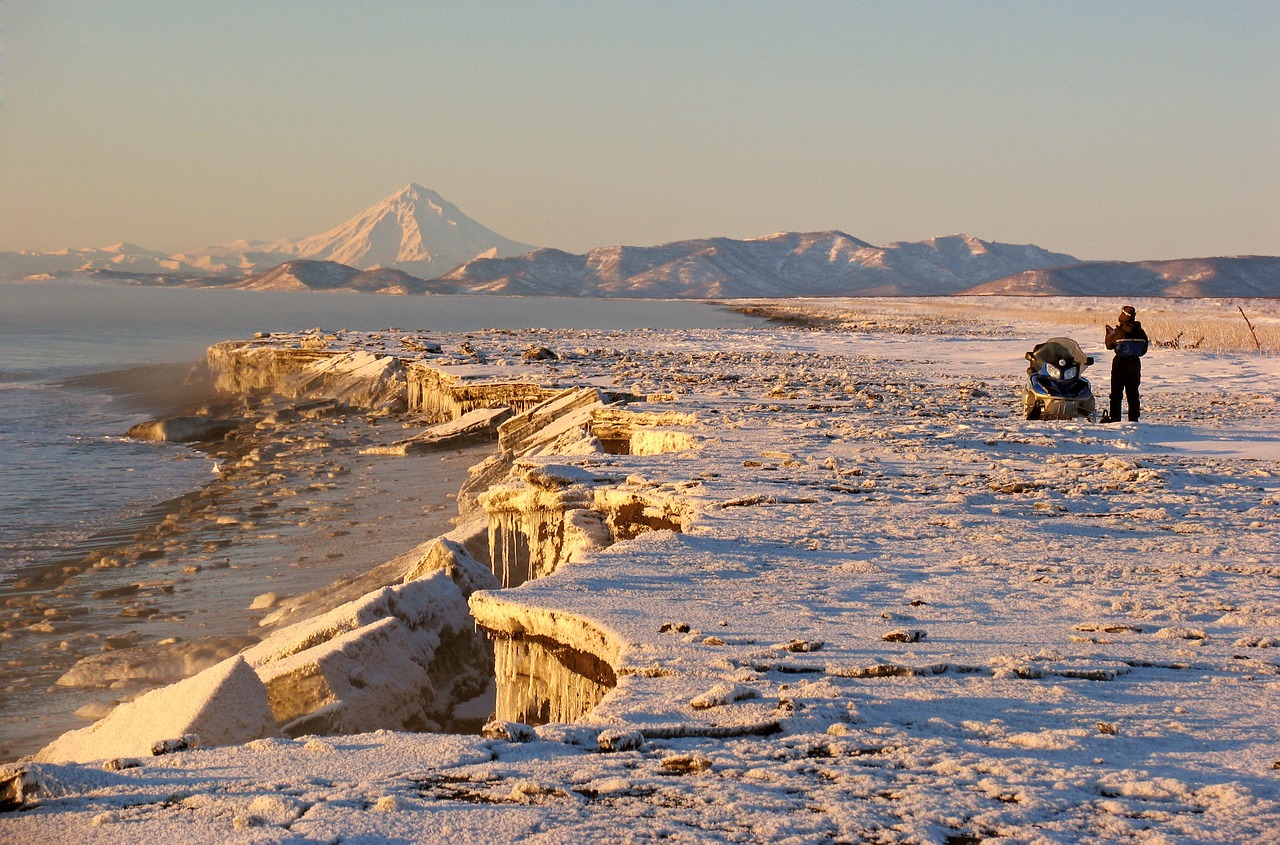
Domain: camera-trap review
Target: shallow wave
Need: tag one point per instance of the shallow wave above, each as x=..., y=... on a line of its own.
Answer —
x=157, y=389
x=70, y=471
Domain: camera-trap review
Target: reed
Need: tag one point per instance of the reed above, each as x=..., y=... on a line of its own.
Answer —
x=1211, y=325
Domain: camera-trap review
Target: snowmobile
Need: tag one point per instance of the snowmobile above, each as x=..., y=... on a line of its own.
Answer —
x=1055, y=389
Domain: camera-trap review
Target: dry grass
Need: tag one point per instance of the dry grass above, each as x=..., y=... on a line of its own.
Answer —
x=1213, y=325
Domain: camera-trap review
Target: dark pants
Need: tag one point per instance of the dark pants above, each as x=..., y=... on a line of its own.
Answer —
x=1126, y=374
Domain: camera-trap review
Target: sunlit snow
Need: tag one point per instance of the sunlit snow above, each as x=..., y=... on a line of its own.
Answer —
x=846, y=594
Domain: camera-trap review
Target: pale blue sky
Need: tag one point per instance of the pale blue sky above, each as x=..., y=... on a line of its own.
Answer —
x=1126, y=130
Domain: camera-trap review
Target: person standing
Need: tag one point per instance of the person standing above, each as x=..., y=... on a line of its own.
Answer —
x=1129, y=342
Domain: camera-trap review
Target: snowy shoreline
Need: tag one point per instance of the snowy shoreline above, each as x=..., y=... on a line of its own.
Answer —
x=954, y=623
x=169, y=592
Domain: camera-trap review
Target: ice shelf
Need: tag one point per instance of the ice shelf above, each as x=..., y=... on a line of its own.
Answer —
x=789, y=584
x=543, y=504
x=671, y=566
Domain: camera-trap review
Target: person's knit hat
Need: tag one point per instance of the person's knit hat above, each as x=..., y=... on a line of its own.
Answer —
x=1129, y=312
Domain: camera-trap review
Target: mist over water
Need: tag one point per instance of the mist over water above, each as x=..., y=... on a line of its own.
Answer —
x=69, y=472
x=67, y=468
x=86, y=326
x=79, y=364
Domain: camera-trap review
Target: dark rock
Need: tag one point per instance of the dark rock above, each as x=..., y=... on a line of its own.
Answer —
x=169, y=746
x=539, y=353
x=185, y=429
x=17, y=789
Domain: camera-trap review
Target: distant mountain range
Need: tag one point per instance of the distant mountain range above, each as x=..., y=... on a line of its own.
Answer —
x=785, y=264
x=414, y=230
x=1241, y=276
x=417, y=242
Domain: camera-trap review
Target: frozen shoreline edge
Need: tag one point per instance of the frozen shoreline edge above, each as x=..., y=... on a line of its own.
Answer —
x=1128, y=789
x=220, y=521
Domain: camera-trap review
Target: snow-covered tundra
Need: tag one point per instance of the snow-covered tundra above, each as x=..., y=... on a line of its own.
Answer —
x=809, y=585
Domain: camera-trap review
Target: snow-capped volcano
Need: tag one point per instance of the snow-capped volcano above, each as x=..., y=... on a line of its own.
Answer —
x=415, y=230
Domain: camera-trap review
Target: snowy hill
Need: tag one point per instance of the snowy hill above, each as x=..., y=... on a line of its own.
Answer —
x=1242, y=276
x=784, y=264
x=122, y=257
x=329, y=275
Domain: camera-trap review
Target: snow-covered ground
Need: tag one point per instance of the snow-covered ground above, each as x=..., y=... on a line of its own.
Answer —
x=896, y=613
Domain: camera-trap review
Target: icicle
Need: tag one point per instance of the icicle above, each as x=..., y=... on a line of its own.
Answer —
x=535, y=686
x=508, y=549
x=511, y=547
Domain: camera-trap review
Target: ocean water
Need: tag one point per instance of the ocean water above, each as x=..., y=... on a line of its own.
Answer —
x=79, y=364
x=67, y=471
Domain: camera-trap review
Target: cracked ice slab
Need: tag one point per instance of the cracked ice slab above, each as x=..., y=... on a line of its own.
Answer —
x=785, y=450
x=816, y=518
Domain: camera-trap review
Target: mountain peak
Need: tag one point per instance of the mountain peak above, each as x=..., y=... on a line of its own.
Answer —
x=961, y=242
x=414, y=229
x=415, y=193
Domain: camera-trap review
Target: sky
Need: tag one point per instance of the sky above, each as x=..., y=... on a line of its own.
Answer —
x=1130, y=131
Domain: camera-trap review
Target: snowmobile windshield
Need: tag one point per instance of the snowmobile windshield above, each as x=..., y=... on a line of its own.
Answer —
x=1062, y=354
